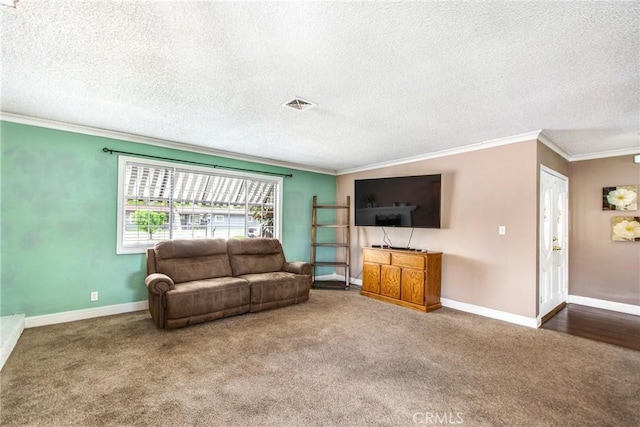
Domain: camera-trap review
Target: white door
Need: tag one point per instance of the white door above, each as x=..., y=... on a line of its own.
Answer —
x=554, y=278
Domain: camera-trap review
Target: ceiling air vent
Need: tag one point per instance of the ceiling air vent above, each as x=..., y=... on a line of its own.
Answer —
x=298, y=104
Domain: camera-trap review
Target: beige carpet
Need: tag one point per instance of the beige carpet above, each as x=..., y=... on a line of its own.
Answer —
x=339, y=360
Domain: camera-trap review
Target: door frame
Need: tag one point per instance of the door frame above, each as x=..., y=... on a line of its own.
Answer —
x=558, y=175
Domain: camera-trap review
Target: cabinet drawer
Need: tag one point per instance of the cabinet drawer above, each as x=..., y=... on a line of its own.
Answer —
x=377, y=256
x=410, y=261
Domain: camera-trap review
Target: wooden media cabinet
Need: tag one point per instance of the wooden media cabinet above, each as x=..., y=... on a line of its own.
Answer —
x=407, y=278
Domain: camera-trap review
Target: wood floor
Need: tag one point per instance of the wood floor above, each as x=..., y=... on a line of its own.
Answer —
x=600, y=325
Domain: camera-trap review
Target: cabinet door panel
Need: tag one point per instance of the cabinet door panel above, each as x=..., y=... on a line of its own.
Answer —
x=390, y=281
x=371, y=278
x=413, y=286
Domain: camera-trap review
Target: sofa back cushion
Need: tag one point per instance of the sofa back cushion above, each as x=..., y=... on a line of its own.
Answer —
x=249, y=256
x=187, y=260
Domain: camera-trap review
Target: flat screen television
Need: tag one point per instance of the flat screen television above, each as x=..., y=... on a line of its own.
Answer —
x=406, y=201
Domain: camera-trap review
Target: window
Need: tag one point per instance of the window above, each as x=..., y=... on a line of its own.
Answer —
x=164, y=201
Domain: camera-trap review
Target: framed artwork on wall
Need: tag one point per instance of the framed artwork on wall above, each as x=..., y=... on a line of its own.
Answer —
x=625, y=229
x=620, y=198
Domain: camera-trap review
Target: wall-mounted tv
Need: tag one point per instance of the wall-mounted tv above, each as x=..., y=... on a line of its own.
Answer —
x=406, y=201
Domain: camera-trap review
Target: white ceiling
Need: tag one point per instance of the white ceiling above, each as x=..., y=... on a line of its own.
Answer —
x=392, y=80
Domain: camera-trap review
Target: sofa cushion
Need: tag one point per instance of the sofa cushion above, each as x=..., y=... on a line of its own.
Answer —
x=269, y=288
x=207, y=296
x=188, y=260
x=254, y=256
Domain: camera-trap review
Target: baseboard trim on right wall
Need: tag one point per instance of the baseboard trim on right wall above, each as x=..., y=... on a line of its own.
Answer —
x=604, y=304
x=530, y=322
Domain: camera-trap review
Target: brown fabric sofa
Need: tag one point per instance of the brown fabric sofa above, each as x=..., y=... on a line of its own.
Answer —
x=193, y=281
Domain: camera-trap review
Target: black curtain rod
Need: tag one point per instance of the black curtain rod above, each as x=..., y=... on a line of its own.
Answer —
x=284, y=175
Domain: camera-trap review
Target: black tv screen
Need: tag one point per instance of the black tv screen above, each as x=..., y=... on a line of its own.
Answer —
x=407, y=201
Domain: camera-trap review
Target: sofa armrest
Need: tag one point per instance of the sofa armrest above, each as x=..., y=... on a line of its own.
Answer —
x=297, y=267
x=158, y=283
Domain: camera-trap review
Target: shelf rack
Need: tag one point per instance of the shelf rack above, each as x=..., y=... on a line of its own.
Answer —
x=342, y=244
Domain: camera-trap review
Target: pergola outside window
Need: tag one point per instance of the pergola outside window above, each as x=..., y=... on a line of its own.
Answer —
x=164, y=201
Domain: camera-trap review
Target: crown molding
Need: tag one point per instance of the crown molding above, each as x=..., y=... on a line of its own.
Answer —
x=605, y=154
x=538, y=135
x=104, y=133
x=529, y=136
x=544, y=138
x=591, y=156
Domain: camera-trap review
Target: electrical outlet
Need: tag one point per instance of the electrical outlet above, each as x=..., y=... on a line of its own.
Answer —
x=94, y=296
x=502, y=230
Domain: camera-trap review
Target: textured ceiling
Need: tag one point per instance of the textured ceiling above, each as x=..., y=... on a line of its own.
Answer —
x=391, y=80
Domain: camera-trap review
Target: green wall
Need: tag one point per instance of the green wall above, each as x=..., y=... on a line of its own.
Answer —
x=58, y=219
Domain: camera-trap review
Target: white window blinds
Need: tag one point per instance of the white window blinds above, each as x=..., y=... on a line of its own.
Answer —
x=164, y=201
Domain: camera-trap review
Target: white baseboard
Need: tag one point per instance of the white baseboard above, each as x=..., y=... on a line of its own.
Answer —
x=11, y=329
x=88, y=313
x=530, y=322
x=604, y=304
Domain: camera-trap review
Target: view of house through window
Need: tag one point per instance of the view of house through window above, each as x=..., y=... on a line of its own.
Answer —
x=164, y=201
